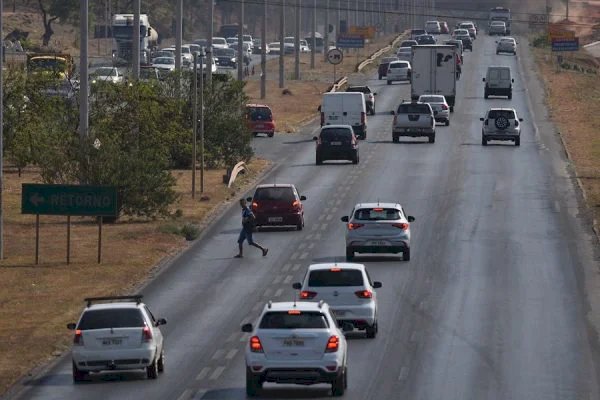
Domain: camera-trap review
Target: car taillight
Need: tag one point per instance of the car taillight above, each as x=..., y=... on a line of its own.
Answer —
x=332, y=344
x=307, y=294
x=364, y=294
x=363, y=118
x=255, y=345
x=296, y=204
x=78, y=337
x=432, y=120
x=516, y=122
x=146, y=334
x=401, y=225
x=444, y=107
x=352, y=226
x=254, y=205
x=322, y=118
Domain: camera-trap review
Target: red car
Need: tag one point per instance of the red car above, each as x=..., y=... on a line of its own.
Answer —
x=260, y=119
x=444, y=27
x=278, y=205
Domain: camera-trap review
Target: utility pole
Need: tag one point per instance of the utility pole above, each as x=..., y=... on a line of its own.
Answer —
x=194, y=121
x=567, y=9
x=201, y=91
x=178, y=34
x=211, y=33
x=297, y=42
x=240, y=54
x=326, y=33
x=1, y=136
x=281, y=47
x=312, y=36
x=135, y=45
x=84, y=86
x=263, y=55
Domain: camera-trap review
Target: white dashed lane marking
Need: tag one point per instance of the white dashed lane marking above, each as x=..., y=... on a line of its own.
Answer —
x=304, y=255
x=296, y=267
x=217, y=373
x=218, y=354
x=231, y=354
x=278, y=292
x=203, y=373
x=288, y=279
x=200, y=394
x=286, y=267
x=403, y=373
x=277, y=279
x=187, y=394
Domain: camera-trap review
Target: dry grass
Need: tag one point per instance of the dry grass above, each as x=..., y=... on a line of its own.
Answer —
x=38, y=300
x=574, y=103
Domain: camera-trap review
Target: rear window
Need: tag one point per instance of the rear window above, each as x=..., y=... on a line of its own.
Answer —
x=376, y=214
x=336, y=134
x=417, y=31
x=399, y=65
x=509, y=114
x=284, y=320
x=111, y=318
x=362, y=89
x=414, y=109
x=344, y=277
x=499, y=73
x=387, y=60
x=260, y=114
x=275, y=194
x=431, y=99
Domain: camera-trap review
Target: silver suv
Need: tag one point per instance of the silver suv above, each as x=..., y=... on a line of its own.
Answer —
x=501, y=124
x=414, y=119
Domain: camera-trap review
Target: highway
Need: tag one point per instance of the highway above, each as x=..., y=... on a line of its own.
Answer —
x=491, y=306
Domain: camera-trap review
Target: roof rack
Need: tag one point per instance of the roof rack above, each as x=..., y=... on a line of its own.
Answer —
x=136, y=297
x=269, y=304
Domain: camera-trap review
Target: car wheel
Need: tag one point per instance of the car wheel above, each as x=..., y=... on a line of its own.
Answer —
x=452, y=109
x=395, y=139
x=517, y=141
x=338, y=385
x=432, y=138
x=349, y=254
x=389, y=82
x=372, y=331
x=319, y=160
x=253, y=384
x=485, y=95
x=447, y=122
x=271, y=134
x=380, y=76
x=497, y=52
x=483, y=141
x=406, y=255
x=300, y=225
x=78, y=375
x=510, y=96
x=161, y=362
x=355, y=158
x=152, y=370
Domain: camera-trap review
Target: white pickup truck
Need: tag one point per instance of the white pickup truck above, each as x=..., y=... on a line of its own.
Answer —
x=434, y=72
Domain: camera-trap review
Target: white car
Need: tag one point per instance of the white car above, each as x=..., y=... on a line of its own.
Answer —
x=497, y=28
x=219, y=43
x=107, y=74
x=304, y=46
x=186, y=53
x=501, y=124
x=204, y=60
x=378, y=228
x=296, y=342
x=247, y=39
x=404, y=54
x=433, y=27
x=439, y=105
x=117, y=333
x=274, y=48
x=164, y=64
x=398, y=71
x=348, y=290
x=506, y=45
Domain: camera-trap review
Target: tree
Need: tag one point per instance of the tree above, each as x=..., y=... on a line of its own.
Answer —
x=53, y=10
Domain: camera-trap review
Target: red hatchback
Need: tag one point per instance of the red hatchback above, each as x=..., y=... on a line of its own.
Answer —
x=444, y=26
x=260, y=119
x=278, y=205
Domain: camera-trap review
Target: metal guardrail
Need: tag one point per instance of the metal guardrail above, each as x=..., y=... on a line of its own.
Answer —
x=379, y=52
x=338, y=84
x=239, y=167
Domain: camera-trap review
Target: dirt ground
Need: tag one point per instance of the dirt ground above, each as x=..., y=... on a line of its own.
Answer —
x=38, y=300
x=574, y=104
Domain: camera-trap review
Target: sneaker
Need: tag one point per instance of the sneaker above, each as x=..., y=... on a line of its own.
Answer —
x=241, y=256
x=265, y=251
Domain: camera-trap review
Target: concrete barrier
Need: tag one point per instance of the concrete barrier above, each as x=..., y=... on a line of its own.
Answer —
x=380, y=52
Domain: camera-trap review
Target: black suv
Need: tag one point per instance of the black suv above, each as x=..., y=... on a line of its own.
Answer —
x=336, y=142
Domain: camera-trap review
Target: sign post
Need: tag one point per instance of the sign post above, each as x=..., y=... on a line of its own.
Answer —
x=335, y=57
x=81, y=200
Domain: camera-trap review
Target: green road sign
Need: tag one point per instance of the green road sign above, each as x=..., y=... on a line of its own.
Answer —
x=69, y=200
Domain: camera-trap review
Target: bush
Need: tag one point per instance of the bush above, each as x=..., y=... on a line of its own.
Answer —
x=190, y=231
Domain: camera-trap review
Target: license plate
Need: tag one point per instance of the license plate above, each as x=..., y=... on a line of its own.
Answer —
x=336, y=143
x=112, y=342
x=275, y=219
x=293, y=342
x=334, y=117
x=377, y=243
x=260, y=126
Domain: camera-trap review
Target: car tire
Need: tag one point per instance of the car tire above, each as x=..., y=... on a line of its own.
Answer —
x=319, y=160
x=254, y=134
x=271, y=134
x=355, y=158
x=406, y=255
x=152, y=370
x=79, y=375
x=497, y=52
x=447, y=122
x=349, y=254
x=510, y=96
x=338, y=385
x=517, y=141
x=253, y=384
x=395, y=139
x=389, y=82
x=300, y=225
x=380, y=76
x=485, y=94
x=451, y=109
x=371, y=331
x=432, y=138
x=483, y=141
x=161, y=362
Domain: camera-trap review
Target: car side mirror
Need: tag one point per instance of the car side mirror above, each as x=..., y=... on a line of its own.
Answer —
x=297, y=286
x=71, y=326
x=410, y=218
x=376, y=285
x=247, y=328
x=319, y=108
x=347, y=327
x=248, y=199
x=344, y=218
x=521, y=119
x=483, y=80
x=393, y=112
x=161, y=321
x=315, y=138
x=374, y=94
x=481, y=119
x=302, y=198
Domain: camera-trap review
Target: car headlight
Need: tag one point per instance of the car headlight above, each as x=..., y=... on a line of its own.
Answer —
x=233, y=59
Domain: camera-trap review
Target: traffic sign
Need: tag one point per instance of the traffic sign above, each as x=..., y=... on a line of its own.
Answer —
x=368, y=32
x=335, y=56
x=350, y=41
x=565, y=44
x=538, y=19
x=84, y=200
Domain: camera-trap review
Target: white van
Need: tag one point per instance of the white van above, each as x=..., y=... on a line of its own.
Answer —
x=345, y=108
x=498, y=82
x=433, y=27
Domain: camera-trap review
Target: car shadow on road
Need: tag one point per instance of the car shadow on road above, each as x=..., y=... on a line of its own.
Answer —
x=401, y=142
x=298, y=141
x=276, y=228
x=365, y=258
x=270, y=391
x=97, y=378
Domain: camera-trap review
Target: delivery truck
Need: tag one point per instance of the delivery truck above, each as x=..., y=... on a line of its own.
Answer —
x=434, y=72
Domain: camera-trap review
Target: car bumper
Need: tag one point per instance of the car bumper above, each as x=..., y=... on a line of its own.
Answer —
x=506, y=50
x=392, y=78
x=359, y=316
x=303, y=372
x=412, y=132
x=442, y=116
x=99, y=360
x=273, y=219
x=501, y=136
x=366, y=244
x=499, y=91
x=337, y=154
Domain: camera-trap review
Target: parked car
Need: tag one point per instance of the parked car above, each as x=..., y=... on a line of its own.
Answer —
x=260, y=119
x=336, y=142
x=501, y=124
x=383, y=66
x=278, y=205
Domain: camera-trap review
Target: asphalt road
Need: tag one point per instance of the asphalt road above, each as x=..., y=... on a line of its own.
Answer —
x=491, y=305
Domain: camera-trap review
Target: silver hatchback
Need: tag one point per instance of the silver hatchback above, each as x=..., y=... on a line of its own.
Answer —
x=378, y=228
x=501, y=124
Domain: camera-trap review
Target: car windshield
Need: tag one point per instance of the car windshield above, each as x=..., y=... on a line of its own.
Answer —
x=499, y=74
x=164, y=60
x=339, y=277
x=417, y=31
x=260, y=114
x=293, y=319
x=508, y=114
x=461, y=32
x=431, y=99
x=285, y=194
x=507, y=40
x=498, y=23
x=413, y=108
x=376, y=214
x=336, y=134
x=387, y=60
x=247, y=38
x=201, y=42
x=398, y=65
x=111, y=318
x=408, y=43
x=219, y=41
x=225, y=52
x=361, y=89
x=405, y=50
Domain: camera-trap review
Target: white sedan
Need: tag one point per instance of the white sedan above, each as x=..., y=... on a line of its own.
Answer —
x=107, y=74
x=441, y=109
x=398, y=71
x=164, y=63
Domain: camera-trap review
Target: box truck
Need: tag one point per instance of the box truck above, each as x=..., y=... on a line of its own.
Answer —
x=434, y=72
